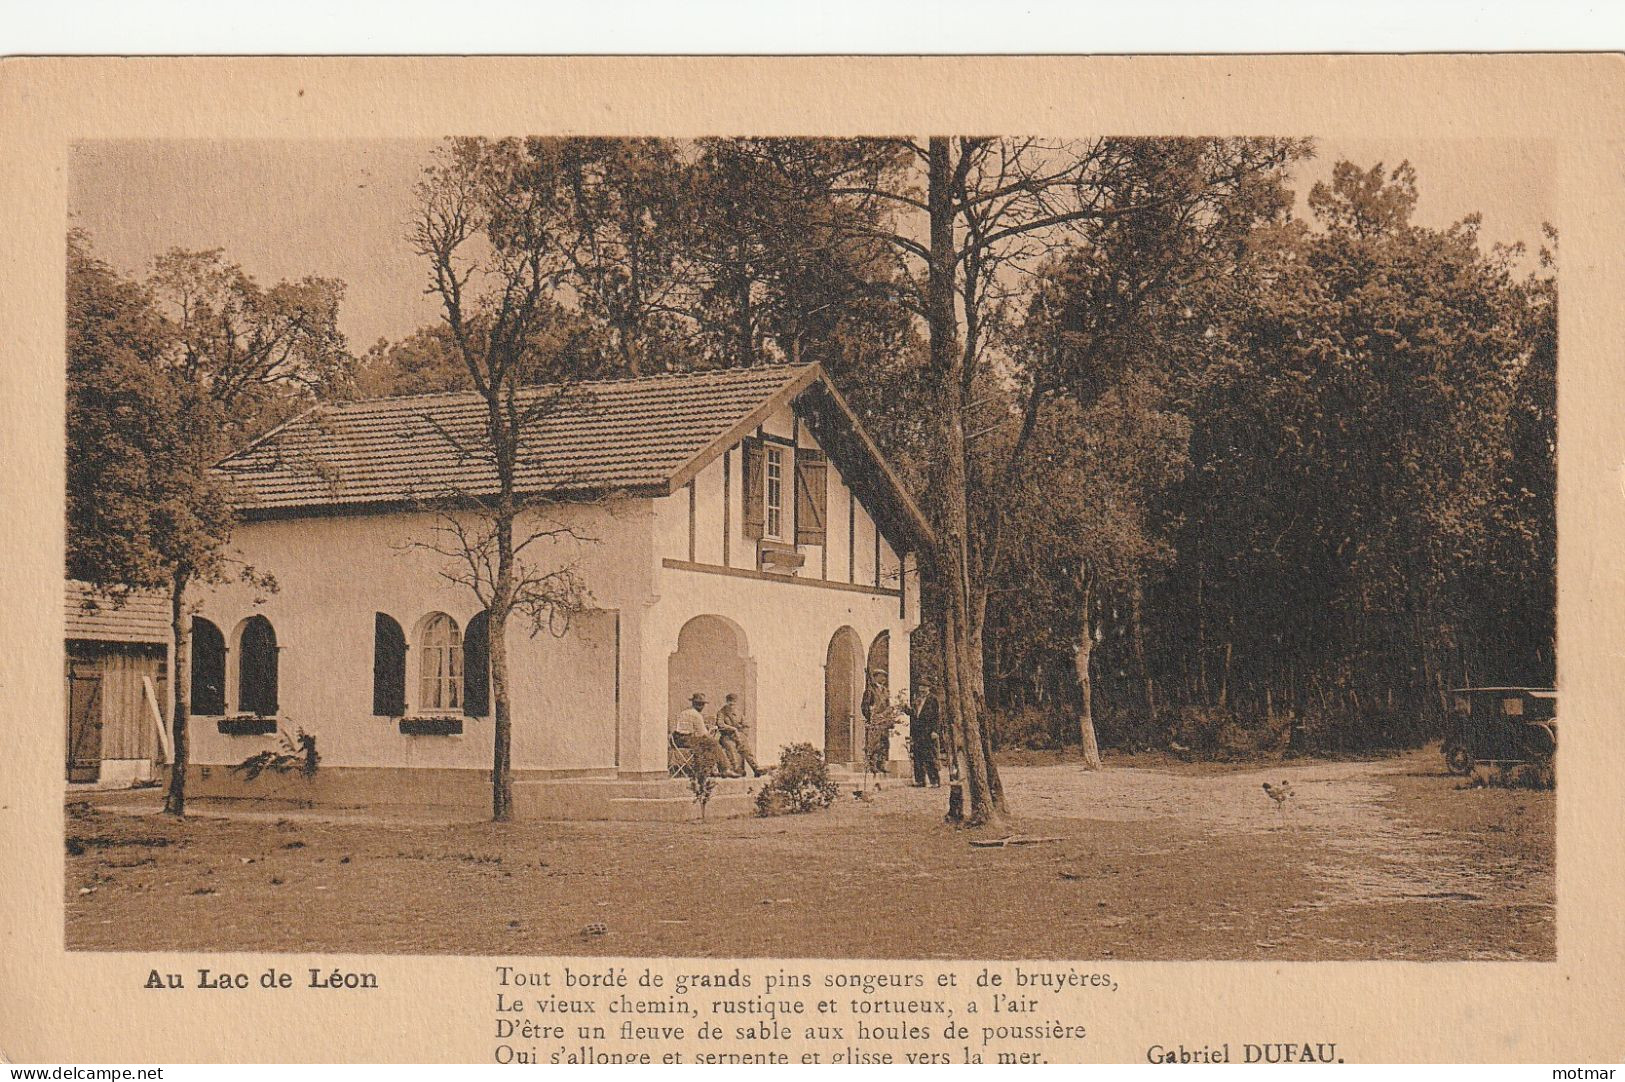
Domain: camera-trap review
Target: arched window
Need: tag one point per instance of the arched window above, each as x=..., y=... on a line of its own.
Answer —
x=440, y=664
x=256, y=668
x=208, y=668
x=388, y=667
x=477, y=666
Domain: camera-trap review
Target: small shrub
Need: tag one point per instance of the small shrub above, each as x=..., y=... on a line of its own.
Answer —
x=1541, y=774
x=298, y=753
x=1236, y=741
x=1200, y=729
x=701, y=782
x=800, y=784
x=770, y=802
x=1024, y=727
x=1359, y=732
x=1134, y=732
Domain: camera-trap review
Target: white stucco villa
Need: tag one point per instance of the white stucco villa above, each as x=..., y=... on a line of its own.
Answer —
x=745, y=536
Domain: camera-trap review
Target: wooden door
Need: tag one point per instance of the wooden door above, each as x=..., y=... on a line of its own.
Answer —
x=84, y=721
x=843, y=677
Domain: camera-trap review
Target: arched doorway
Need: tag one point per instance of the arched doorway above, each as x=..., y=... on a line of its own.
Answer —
x=843, y=691
x=713, y=658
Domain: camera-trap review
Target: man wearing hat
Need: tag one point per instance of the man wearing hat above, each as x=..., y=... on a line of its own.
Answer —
x=731, y=735
x=878, y=718
x=698, y=738
x=922, y=735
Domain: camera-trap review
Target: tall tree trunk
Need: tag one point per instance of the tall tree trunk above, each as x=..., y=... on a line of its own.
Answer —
x=745, y=341
x=632, y=335
x=978, y=691
x=953, y=562
x=1149, y=683
x=1080, y=661
x=623, y=344
x=1203, y=687
x=950, y=702
x=180, y=679
x=497, y=647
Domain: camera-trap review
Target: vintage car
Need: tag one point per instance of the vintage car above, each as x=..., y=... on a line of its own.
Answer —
x=1500, y=725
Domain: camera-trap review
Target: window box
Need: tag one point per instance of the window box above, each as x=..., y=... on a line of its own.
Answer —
x=780, y=559
x=247, y=725
x=432, y=726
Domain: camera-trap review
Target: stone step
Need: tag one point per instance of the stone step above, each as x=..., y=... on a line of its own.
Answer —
x=658, y=799
x=681, y=809
x=608, y=798
x=656, y=787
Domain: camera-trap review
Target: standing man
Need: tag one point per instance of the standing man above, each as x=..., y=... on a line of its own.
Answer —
x=922, y=736
x=731, y=735
x=877, y=722
x=697, y=738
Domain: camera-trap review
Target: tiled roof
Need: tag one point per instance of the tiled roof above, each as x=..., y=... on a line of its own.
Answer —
x=143, y=616
x=608, y=435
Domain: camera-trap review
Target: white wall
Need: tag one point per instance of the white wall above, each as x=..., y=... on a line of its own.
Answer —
x=334, y=573
x=787, y=628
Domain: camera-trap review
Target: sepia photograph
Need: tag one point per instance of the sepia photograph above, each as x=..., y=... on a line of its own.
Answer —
x=763, y=546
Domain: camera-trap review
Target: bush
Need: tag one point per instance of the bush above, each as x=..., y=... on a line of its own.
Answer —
x=801, y=783
x=701, y=782
x=1536, y=775
x=1345, y=732
x=1024, y=727
x=1132, y=733
x=298, y=753
x=1201, y=729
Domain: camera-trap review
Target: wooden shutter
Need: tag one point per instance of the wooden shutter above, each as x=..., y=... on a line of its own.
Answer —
x=388, y=667
x=257, y=668
x=208, y=668
x=811, y=497
x=477, y=667
x=751, y=476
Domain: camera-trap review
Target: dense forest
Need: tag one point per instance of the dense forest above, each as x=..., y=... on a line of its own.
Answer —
x=1211, y=465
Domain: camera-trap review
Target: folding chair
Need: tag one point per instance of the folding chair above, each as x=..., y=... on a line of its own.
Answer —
x=679, y=756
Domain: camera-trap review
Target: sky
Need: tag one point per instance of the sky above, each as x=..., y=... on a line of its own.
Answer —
x=339, y=208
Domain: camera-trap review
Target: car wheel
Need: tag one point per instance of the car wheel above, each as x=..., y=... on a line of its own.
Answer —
x=1459, y=759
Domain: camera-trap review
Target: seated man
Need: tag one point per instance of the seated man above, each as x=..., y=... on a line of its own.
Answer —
x=731, y=733
x=695, y=735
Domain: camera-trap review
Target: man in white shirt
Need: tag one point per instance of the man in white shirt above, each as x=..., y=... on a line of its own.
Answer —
x=698, y=738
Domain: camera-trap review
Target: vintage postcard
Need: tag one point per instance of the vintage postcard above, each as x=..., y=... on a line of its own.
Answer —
x=839, y=560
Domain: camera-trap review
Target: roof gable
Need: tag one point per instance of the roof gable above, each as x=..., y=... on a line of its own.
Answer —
x=814, y=397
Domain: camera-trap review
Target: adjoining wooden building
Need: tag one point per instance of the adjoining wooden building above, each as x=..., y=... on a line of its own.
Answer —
x=117, y=672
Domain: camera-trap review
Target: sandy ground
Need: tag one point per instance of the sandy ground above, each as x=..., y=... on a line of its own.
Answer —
x=1341, y=813
x=1388, y=858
